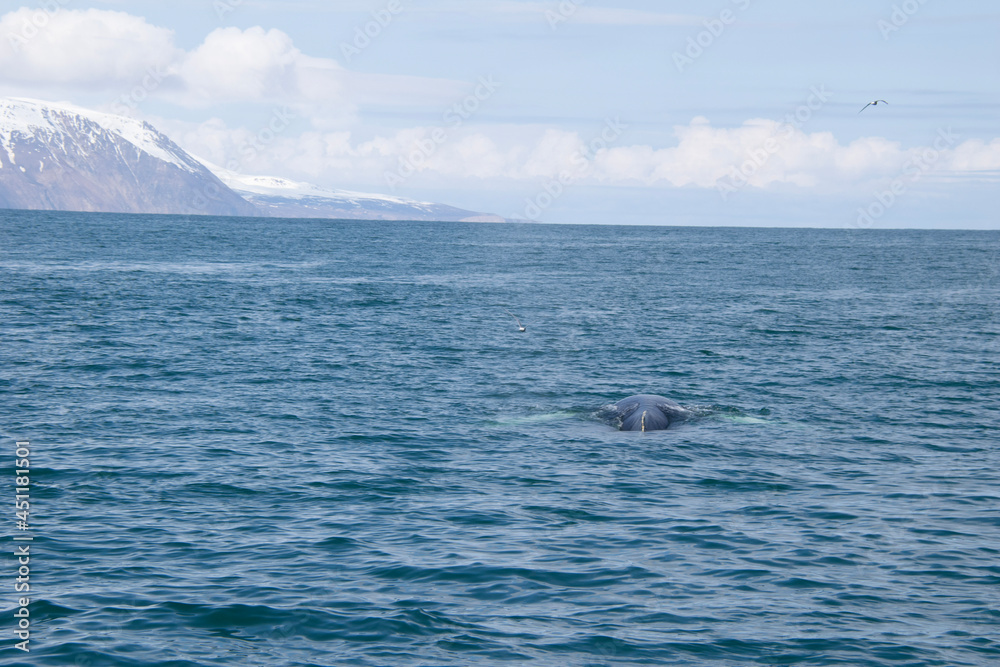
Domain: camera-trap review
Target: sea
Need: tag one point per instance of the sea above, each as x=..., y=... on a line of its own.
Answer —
x=262, y=442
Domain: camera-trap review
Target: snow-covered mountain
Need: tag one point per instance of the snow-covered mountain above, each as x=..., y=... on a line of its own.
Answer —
x=279, y=197
x=56, y=156
x=61, y=157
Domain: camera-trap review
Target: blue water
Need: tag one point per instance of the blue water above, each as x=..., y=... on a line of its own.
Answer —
x=266, y=442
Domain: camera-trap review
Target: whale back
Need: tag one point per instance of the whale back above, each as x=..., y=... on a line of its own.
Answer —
x=648, y=412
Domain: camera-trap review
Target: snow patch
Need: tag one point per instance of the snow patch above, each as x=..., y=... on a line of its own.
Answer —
x=29, y=118
x=272, y=186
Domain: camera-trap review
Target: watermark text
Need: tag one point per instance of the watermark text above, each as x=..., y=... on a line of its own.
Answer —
x=22, y=543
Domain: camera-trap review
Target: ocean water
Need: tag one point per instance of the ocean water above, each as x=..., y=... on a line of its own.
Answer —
x=268, y=442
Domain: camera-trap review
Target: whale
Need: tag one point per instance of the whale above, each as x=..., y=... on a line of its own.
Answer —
x=649, y=412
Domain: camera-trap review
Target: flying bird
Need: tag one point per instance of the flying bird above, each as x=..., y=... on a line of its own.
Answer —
x=520, y=327
x=873, y=104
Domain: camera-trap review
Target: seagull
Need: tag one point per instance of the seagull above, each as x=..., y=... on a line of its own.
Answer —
x=872, y=104
x=520, y=327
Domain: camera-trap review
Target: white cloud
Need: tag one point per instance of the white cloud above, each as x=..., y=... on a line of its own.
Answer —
x=265, y=73
x=237, y=65
x=81, y=48
x=93, y=51
x=553, y=153
x=770, y=155
x=976, y=156
x=763, y=153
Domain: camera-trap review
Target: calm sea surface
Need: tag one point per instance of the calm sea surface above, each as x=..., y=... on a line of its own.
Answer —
x=266, y=442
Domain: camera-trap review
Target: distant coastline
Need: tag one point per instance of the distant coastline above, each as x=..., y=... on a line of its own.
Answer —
x=59, y=157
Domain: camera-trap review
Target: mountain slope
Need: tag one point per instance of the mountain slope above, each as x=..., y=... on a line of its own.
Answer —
x=278, y=197
x=60, y=157
x=55, y=156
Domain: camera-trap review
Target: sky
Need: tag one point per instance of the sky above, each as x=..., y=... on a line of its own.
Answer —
x=716, y=112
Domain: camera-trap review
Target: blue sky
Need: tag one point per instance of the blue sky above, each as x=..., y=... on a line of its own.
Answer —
x=729, y=112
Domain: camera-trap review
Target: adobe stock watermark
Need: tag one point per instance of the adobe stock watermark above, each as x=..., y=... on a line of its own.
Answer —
x=224, y=7
x=370, y=31
x=714, y=29
x=562, y=13
x=31, y=26
x=583, y=162
x=454, y=117
x=281, y=119
x=249, y=150
x=739, y=177
x=912, y=171
x=130, y=101
x=901, y=15
x=22, y=543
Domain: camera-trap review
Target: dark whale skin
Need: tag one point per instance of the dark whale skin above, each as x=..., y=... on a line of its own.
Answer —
x=649, y=412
